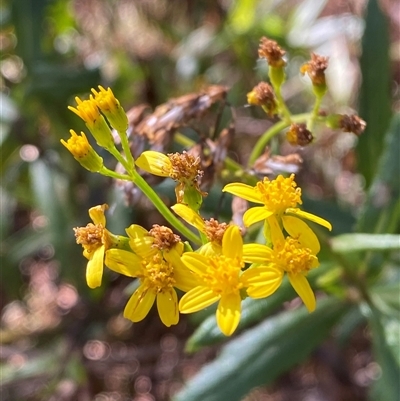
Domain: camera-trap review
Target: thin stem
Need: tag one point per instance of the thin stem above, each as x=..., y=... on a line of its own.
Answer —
x=126, y=148
x=314, y=114
x=270, y=133
x=110, y=173
x=162, y=208
x=114, y=151
x=287, y=117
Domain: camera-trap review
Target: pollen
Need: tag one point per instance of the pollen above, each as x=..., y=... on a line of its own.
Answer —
x=292, y=257
x=215, y=230
x=90, y=237
x=184, y=167
x=157, y=274
x=164, y=238
x=223, y=275
x=279, y=194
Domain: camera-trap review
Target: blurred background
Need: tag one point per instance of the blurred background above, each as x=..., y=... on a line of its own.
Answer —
x=62, y=341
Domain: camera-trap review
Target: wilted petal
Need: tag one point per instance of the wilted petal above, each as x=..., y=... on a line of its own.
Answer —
x=167, y=305
x=232, y=243
x=311, y=217
x=255, y=214
x=243, y=191
x=139, y=304
x=299, y=230
x=228, y=313
x=256, y=253
x=262, y=281
x=303, y=289
x=196, y=299
x=154, y=162
x=123, y=262
x=94, y=269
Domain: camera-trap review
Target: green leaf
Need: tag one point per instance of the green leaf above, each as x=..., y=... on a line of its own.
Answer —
x=365, y=242
x=386, y=347
x=263, y=353
x=375, y=98
x=381, y=212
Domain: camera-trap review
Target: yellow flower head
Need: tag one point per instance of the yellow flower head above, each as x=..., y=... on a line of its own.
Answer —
x=157, y=264
x=95, y=240
x=181, y=167
x=90, y=114
x=295, y=255
x=83, y=152
x=279, y=197
x=212, y=229
x=221, y=279
x=110, y=106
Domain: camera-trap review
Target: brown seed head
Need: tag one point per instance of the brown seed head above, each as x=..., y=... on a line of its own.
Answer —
x=164, y=238
x=298, y=134
x=315, y=69
x=92, y=236
x=263, y=95
x=352, y=123
x=270, y=50
x=215, y=230
x=185, y=167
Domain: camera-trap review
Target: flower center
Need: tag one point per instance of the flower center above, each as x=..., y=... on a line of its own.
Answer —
x=157, y=274
x=223, y=275
x=184, y=167
x=293, y=258
x=90, y=237
x=215, y=230
x=279, y=194
x=164, y=238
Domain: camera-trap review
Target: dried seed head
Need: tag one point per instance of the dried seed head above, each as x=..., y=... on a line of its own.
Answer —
x=315, y=69
x=270, y=50
x=263, y=95
x=164, y=238
x=352, y=123
x=298, y=134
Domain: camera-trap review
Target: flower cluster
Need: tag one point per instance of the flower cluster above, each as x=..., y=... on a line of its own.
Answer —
x=217, y=264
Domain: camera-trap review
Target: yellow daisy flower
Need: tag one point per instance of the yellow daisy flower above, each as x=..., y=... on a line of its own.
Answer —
x=295, y=255
x=221, y=279
x=157, y=263
x=212, y=229
x=279, y=197
x=95, y=240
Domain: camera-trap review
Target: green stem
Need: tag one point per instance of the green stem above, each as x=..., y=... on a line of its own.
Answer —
x=109, y=173
x=126, y=148
x=163, y=208
x=314, y=114
x=129, y=168
x=270, y=133
x=284, y=111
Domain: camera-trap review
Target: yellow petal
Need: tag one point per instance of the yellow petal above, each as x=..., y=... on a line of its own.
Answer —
x=210, y=249
x=262, y=281
x=196, y=299
x=189, y=215
x=94, y=269
x=243, y=191
x=154, y=162
x=123, y=262
x=96, y=213
x=299, y=230
x=136, y=231
x=185, y=280
x=228, y=313
x=255, y=214
x=141, y=241
x=311, y=217
x=232, y=243
x=275, y=230
x=303, y=289
x=139, y=304
x=195, y=262
x=167, y=305
x=256, y=253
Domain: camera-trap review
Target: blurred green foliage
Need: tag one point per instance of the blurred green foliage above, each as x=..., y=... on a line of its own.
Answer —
x=51, y=53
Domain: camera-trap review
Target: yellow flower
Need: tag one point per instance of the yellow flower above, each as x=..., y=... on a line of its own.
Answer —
x=90, y=114
x=83, y=152
x=181, y=167
x=221, y=279
x=295, y=255
x=279, y=197
x=110, y=106
x=95, y=240
x=156, y=262
x=212, y=229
